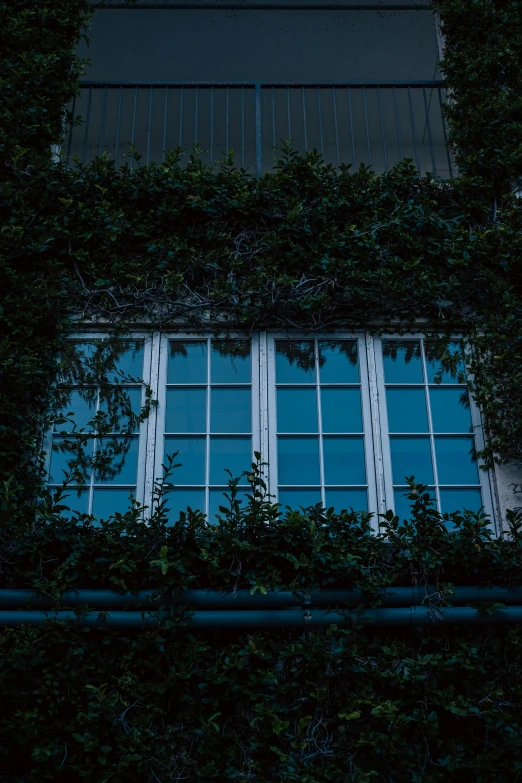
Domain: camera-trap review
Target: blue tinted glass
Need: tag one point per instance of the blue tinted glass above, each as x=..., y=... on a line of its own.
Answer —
x=298, y=460
x=338, y=361
x=186, y=410
x=454, y=461
x=217, y=498
x=180, y=499
x=344, y=461
x=411, y=457
x=459, y=499
x=128, y=365
x=114, y=402
x=345, y=499
x=187, y=362
x=63, y=457
x=77, y=502
x=296, y=410
x=407, y=410
x=234, y=454
x=295, y=498
x=82, y=407
x=192, y=458
x=450, y=410
x=295, y=361
x=402, y=361
x=123, y=465
x=403, y=504
x=433, y=366
x=107, y=502
x=230, y=362
x=341, y=410
x=230, y=410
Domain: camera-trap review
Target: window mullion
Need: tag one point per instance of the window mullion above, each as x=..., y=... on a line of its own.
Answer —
x=378, y=414
x=262, y=394
x=154, y=438
x=207, y=450
x=430, y=425
x=319, y=422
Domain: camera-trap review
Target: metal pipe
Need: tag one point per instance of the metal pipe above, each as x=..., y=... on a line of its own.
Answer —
x=104, y=6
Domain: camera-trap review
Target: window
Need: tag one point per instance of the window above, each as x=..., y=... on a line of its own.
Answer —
x=341, y=420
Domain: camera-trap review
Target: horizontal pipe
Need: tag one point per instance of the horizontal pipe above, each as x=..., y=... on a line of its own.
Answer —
x=289, y=84
x=242, y=599
x=261, y=7
x=402, y=617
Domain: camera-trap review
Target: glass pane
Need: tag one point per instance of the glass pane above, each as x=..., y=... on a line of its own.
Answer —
x=459, y=499
x=298, y=460
x=186, y=410
x=230, y=361
x=407, y=410
x=234, y=454
x=128, y=365
x=297, y=410
x=121, y=465
x=346, y=499
x=295, y=498
x=402, y=361
x=450, y=410
x=403, y=504
x=106, y=502
x=217, y=498
x=187, y=362
x=344, y=461
x=77, y=502
x=230, y=410
x=61, y=455
x=295, y=361
x=454, y=461
x=341, y=410
x=338, y=361
x=180, y=499
x=82, y=406
x=433, y=366
x=191, y=455
x=113, y=402
x=411, y=457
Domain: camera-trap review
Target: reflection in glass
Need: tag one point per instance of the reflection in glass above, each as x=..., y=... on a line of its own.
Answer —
x=62, y=456
x=186, y=410
x=411, y=457
x=338, y=361
x=406, y=410
x=295, y=361
x=403, y=504
x=298, y=460
x=344, y=461
x=459, y=499
x=180, y=499
x=187, y=362
x=114, y=401
x=455, y=464
x=346, y=499
x=107, y=502
x=433, y=366
x=122, y=465
x=295, y=498
x=217, y=498
x=234, y=454
x=82, y=406
x=296, y=410
x=341, y=410
x=230, y=361
x=402, y=361
x=230, y=410
x=77, y=501
x=128, y=365
x=191, y=455
x=450, y=410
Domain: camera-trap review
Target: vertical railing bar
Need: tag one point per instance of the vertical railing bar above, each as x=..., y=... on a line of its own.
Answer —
x=428, y=124
x=397, y=123
x=288, y=113
x=118, y=126
x=102, y=126
x=368, y=145
x=304, y=120
x=165, y=114
x=211, y=124
x=259, y=149
x=196, y=117
x=413, y=130
x=180, y=134
x=87, y=120
x=242, y=127
x=149, y=129
x=69, y=145
x=320, y=115
x=336, y=127
x=382, y=129
x=351, y=124
x=226, y=124
x=134, y=121
x=443, y=120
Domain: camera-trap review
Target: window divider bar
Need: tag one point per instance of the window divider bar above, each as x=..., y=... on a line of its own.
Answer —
x=153, y=436
x=376, y=423
x=319, y=422
x=430, y=424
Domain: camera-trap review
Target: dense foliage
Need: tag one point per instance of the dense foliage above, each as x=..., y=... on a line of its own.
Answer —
x=305, y=246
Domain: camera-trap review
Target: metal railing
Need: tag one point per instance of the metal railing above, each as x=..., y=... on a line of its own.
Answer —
x=377, y=124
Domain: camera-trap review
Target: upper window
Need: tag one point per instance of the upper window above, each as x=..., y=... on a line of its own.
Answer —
x=342, y=420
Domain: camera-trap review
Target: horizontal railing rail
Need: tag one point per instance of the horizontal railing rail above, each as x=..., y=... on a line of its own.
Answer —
x=373, y=123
